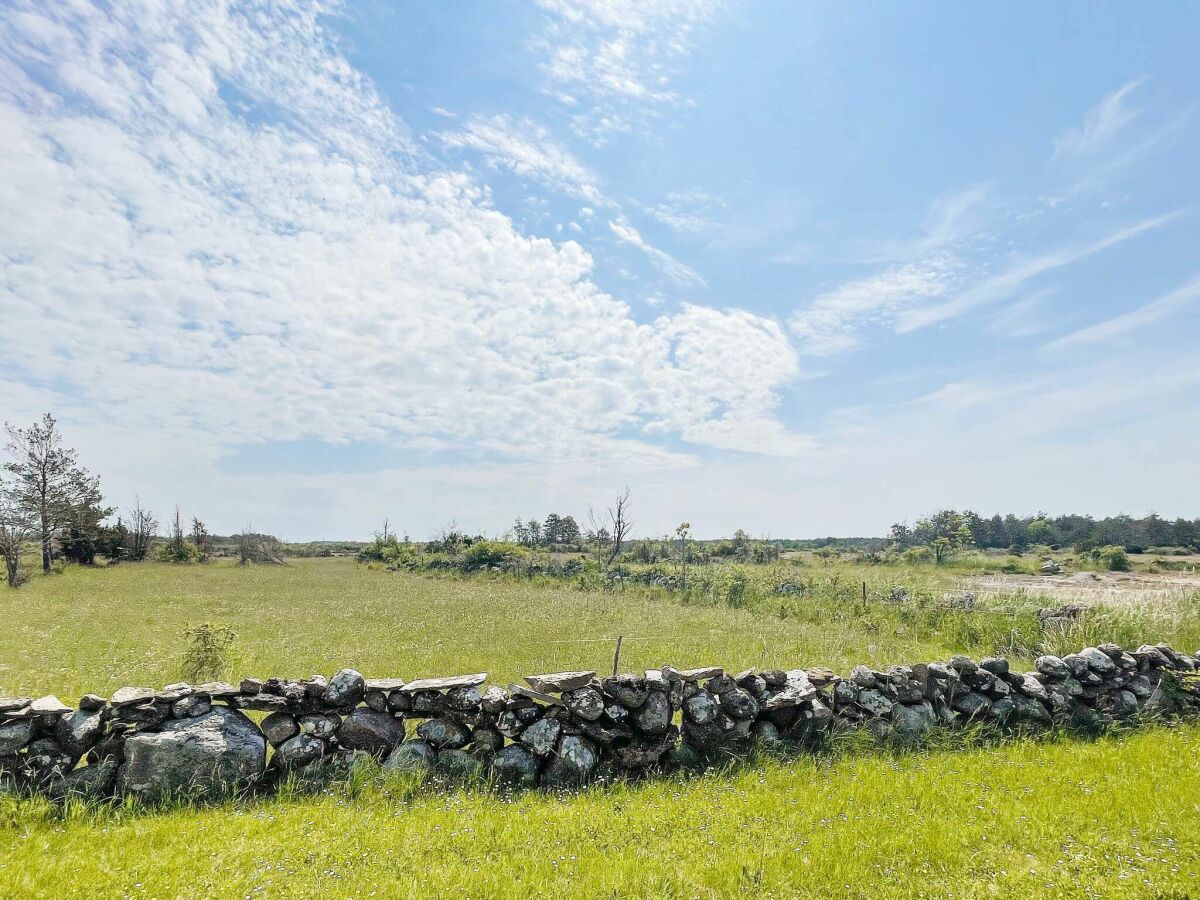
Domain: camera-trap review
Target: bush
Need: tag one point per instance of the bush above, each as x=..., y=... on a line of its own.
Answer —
x=917, y=555
x=490, y=554
x=1114, y=558
x=207, y=655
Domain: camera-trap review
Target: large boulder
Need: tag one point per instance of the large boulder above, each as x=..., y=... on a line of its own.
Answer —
x=375, y=732
x=207, y=757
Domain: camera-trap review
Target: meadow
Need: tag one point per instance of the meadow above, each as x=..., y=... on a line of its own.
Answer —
x=1056, y=816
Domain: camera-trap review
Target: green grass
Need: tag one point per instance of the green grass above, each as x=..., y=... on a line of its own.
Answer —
x=1117, y=817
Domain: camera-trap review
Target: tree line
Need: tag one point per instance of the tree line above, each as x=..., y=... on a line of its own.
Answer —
x=949, y=527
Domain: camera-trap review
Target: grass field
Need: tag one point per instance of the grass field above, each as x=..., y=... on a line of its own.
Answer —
x=1116, y=817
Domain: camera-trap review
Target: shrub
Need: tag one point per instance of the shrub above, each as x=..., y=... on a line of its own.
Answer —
x=1114, y=558
x=487, y=554
x=207, y=655
x=917, y=555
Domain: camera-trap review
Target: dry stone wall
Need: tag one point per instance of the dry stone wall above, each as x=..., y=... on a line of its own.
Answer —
x=557, y=730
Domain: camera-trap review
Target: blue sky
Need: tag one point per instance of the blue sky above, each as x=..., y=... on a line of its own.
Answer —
x=796, y=268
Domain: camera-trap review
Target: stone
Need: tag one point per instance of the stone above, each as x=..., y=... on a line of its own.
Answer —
x=515, y=765
x=585, y=702
x=487, y=739
x=701, y=674
x=1077, y=664
x=701, y=708
x=278, y=727
x=1099, y=662
x=376, y=700
x=964, y=665
x=173, y=692
x=261, y=702
x=1119, y=705
x=190, y=707
x=821, y=676
x=739, y=704
x=443, y=733
x=92, y=702
x=1052, y=667
x=541, y=736
x=573, y=764
x=971, y=704
x=1140, y=686
x=997, y=665
x=1112, y=651
x=215, y=690
x=370, y=731
x=1002, y=710
x=15, y=735
x=862, y=677
x=142, y=714
x=321, y=725
x=628, y=690
x=46, y=760
x=299, y=750
x=49, y=706
x=911, y=720
x=207, y=757
x=463, y=698
x=16, y=704
x=346, y=688
x=411, y=756
x=559, y=682
x=845, y=693
x=708, y=736
x=653, y=716
x=720, y=684
x=493, y=700
x=646, y=752
x=426, y=703
x=79, y=732
x=383, y=685
x=531, y=694
x=445, y=684
x=874, y=703
x=1027, y=709
x=1031, y=687
x=315, y=687
x=90, y=782
x=459, y=763
x=250, y=686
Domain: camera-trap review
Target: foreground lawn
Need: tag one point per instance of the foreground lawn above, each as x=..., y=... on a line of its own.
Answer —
x=1119, y=817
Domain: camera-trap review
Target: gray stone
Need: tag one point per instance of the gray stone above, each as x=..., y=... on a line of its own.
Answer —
x=1077, y=664
x=315, y=687
x=320, y=725
x=261, y=702
x=709, y=736
x=1099, y=662
x=345, y=688
x=701, y=708
x=653, y=716
x=373, y=732
x=541, y=736
x=997, y=665
x=964, y=665
x=443, y=733
x=90, y=782
x=647, y=752
x=426, y=703
x=278, y=727
x=739, y=704
x=383, y=685
x=766, y=732
x=538, y=696
x=701, y=674
x=173, y=692
x=493, y=700
x=515, y=765
x=559, y=682
x=49, y=706
x=487, y=739
x=376, y=700
x=1002, y=710
x=862, y=677
x=1140, y=686
x=463, y=698
x=796, y=689
x=78, y=732
x=250, y=686
x=574, y=763
x=92, y=702
x=15, y=735
x=874, y=703
x=207, y=757
x=445, y=684
x=720, y=684
x=142, y=714
x=1028, y=709
x=585, y=702
x=299, y=750
x=1052, y=667
x=459, y=763
x=845, y=693
x=411, y=756
x=627, y=690
x=1031, y=687
x=971, y=704
x=1112, y=651
x=910, y=721
x=131, y=696
x=216, y=690
x=14, y=704
x=190, y=707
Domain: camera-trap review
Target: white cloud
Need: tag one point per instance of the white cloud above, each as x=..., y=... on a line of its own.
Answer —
x=183, y=271
x=1171, y=302
x=528, y=150
x=617, y=56
x=673, y=268
x=1101, y=123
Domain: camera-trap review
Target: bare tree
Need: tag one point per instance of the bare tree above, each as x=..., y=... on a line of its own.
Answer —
x=143, y=528
x=615, y=523
x=263, y=549
x=683, y=532
x=16, y=528
x=48, y=483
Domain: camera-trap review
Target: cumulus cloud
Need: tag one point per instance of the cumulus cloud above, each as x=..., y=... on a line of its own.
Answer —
x=225, y=236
